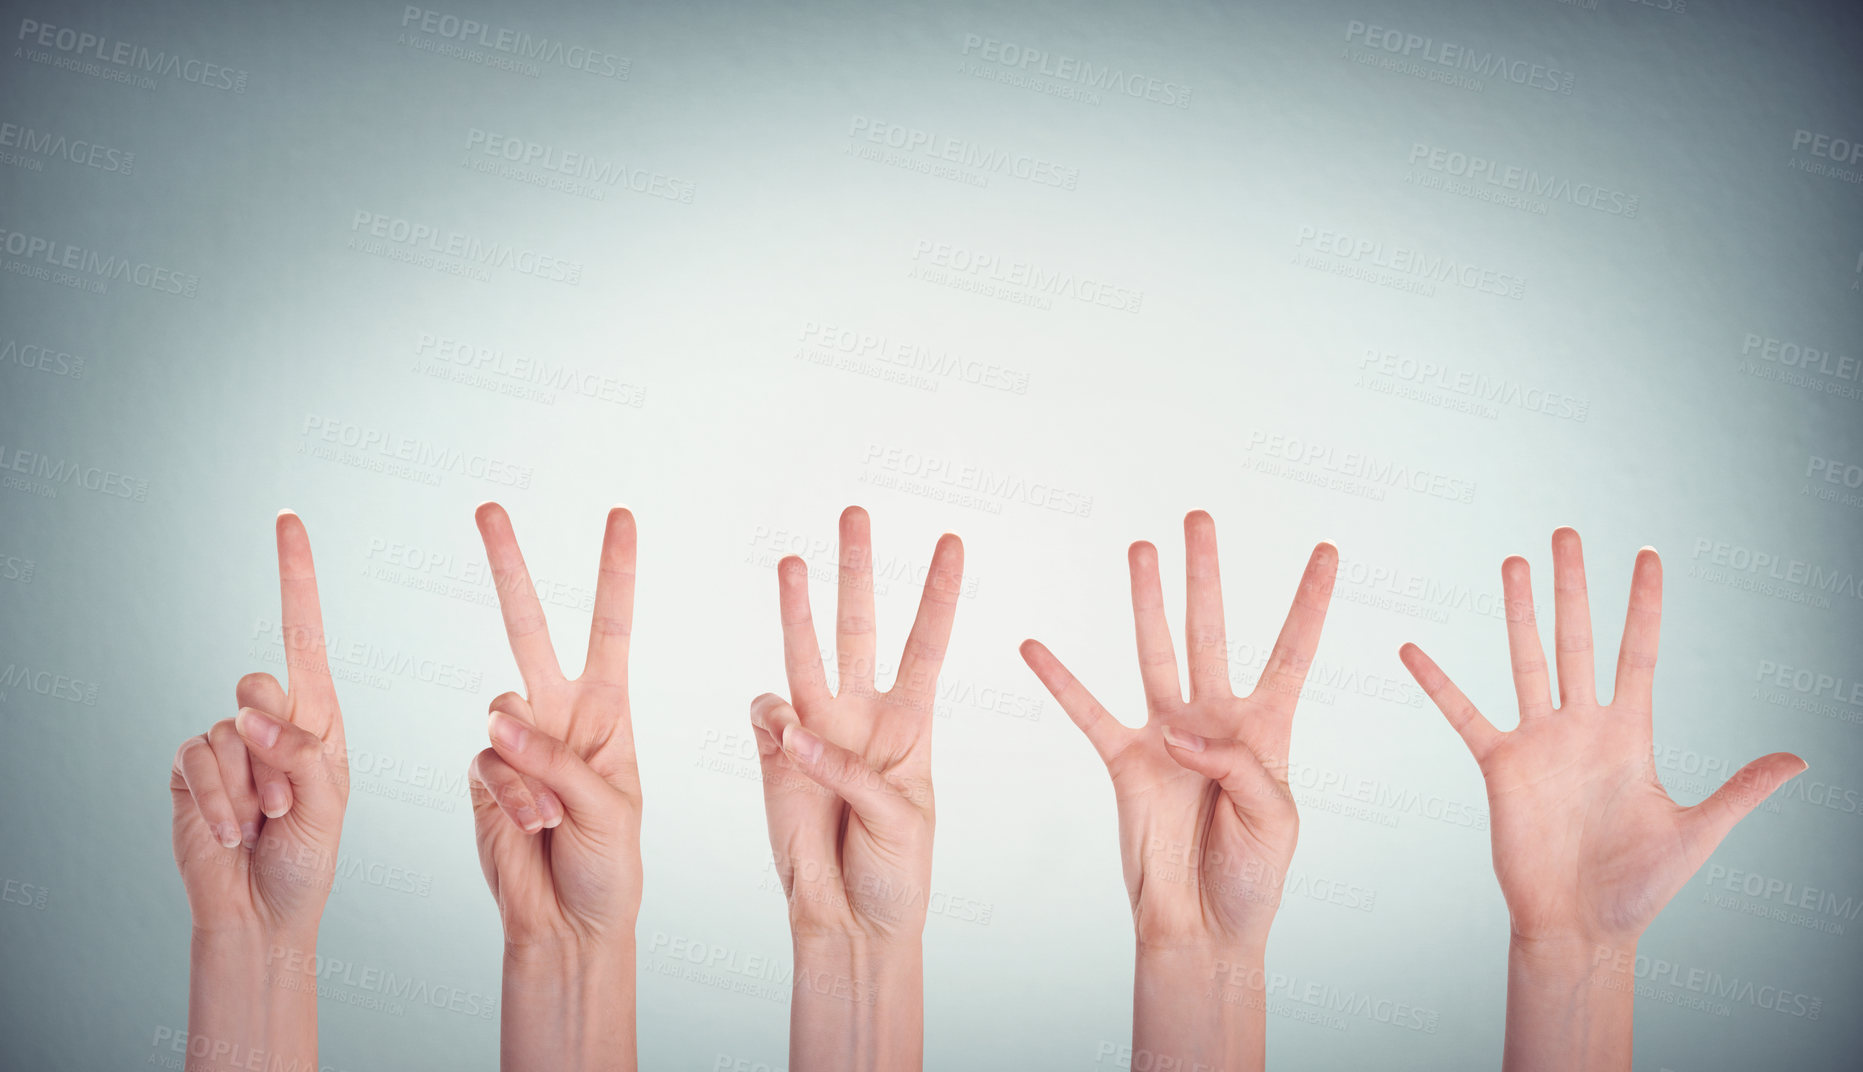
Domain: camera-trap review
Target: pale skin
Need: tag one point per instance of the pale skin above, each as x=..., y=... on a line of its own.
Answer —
x=1207, y=823
x=556, y=804
x=848, y=797
x=1588, y=846
x=259, y=801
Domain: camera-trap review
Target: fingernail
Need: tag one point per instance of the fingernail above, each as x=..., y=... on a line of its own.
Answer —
x=508, y=733
x=550, y=808
x=249, y=835
x=801, y=743
x=261, y=730
x=1189, y=742
x=229, y=835
x=273, y=801
x=528, y=819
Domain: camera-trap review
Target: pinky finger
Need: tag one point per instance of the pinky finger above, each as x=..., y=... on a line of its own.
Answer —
x=200, y=769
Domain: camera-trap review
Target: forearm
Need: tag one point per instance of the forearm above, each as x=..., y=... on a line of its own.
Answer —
x=568, y=1007
x=252, y=1001
x=1569, y=1006
x=857, y=1005
x=1198, y=1009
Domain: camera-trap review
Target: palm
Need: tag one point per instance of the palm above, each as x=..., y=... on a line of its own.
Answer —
x=851, y=831
x=1587, y=843
x=878, y=863
x=290, y=867
x=1206, y=836
x=566, y=877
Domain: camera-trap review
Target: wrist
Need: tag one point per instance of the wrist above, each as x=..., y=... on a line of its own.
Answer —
x=859, y=969
x=573, y=961
x=1571, y=957
x=1199, y=1005
x=1227, y=973
x=568, y=1004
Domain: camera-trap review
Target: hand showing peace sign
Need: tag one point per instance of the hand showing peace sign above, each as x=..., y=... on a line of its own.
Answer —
x=556, y=803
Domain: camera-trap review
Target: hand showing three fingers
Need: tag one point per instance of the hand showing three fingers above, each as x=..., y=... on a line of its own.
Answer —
x=1588, y=846
x=1207, y=823
x=556, y=803
x=848, y=798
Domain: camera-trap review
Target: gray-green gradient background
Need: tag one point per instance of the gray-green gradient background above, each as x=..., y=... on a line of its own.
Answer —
x=1058, y=316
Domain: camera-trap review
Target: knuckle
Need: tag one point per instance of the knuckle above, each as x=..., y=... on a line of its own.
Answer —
x=223, y=734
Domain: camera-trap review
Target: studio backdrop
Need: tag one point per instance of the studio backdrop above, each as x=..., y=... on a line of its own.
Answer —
x=1424, y=279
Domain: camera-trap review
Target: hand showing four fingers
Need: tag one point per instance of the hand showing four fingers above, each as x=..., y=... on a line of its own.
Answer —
x=1207, y=824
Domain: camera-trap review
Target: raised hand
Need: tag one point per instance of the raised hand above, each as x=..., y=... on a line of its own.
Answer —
x=556, y=803
x=1588, y=846
x=259, y=803
x=848, y=796
x=1207, y=824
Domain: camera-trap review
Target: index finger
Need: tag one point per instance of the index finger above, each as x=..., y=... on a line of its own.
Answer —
x=525, y=626
x=917, y=679
x=307, y=669
x=1286, y=671
x=613, y=624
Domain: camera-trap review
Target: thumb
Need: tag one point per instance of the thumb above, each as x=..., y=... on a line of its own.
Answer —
x=587, y=797
x=1229, y=763
x=300, y=755
x=845, y=773
x=1710, y=821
